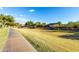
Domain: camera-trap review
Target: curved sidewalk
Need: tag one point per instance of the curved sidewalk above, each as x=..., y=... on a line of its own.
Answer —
x=17, y=43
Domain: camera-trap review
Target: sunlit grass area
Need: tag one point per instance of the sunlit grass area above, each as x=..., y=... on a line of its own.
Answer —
x=44, y=40
x=3, y=37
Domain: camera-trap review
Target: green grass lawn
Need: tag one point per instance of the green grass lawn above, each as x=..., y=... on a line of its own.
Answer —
x=3, y=36
x=50, y=41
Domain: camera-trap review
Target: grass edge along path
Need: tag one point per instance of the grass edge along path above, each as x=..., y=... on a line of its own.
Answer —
x=3, y=37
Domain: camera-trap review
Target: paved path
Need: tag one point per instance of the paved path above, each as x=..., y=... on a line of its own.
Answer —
x=17, y=43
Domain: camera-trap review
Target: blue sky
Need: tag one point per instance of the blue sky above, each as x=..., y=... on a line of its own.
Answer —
x=42, y=14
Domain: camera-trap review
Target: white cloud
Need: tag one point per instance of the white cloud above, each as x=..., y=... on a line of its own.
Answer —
x=1, y=8
x=31, y=10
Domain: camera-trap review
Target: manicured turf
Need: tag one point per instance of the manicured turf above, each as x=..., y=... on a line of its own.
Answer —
x=3, y=37
x=50, y=41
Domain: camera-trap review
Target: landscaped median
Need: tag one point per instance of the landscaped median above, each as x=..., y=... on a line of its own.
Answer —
x=3, y=37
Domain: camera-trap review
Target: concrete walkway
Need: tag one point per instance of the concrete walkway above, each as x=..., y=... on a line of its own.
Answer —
x=17, y=43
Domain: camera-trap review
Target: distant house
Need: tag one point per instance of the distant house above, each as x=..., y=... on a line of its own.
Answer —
x=52, y=26
x=56, y=26
x=27, y=26
x=23, y=26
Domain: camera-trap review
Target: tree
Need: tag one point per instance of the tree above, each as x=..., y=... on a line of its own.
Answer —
x=59, y=24
x=18, y=25
x=6, y=19
x=9, y=18
x=30, y=24
x=2, y=19
x=70, y=24
x=43, y=24
x=38, y=24
x=76, y=24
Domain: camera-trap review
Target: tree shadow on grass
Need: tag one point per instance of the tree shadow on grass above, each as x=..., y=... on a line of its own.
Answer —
x=74, y=36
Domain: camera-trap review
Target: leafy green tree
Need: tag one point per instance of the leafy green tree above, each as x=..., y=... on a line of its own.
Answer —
x=59, y=24
x=43, y=24
x=6, y=19
x=2, y=21
x=9, y=18
x=70, y=24
x=76, y=24
x=38, y=24
x=34, y=25
x=18, y=25
x=30, y=24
